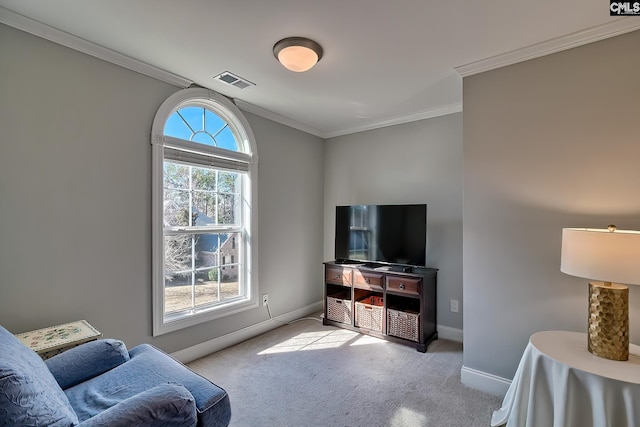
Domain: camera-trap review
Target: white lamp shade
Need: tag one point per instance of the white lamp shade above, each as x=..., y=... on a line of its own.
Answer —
x=297, y=54
x=297, y=58
x=600, y=254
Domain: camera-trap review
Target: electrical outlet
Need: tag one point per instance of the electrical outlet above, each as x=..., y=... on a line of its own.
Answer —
x=265, y=299
x=453, y=305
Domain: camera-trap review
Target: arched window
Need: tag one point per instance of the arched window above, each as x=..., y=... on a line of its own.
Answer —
x=204, y=193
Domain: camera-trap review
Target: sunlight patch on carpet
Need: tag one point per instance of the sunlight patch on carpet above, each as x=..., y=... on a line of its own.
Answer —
x=320, y=340
x=368, y=339
x=406, y=417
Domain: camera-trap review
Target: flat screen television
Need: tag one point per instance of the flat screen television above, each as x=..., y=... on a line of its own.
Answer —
x=392, y=234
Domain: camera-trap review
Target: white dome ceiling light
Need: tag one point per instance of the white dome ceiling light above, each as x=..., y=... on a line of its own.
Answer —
x=297, y=54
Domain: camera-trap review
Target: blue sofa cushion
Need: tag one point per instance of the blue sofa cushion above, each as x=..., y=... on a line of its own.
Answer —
x=87, y=361
x=163, y=405
x=147, y=368
x=29, y=394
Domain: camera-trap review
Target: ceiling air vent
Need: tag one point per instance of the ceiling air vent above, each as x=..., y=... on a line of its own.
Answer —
x=233, y=80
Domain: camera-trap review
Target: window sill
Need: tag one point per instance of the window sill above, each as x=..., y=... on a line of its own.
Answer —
x=185, y=321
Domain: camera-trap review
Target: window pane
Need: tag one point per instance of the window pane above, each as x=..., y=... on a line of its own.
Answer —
x=228, y=208
x=204, y=208
x=176, y=175
x=203, y=138
x=178, y=297
x=228, y=182
x=200, y=125
x=227, y=212
x=177, y=128
x=229, y=283
x=225, y=139
x=207, y=250
x=204, y=178
x=177, y=257
x=206, y=289
x=176, y=208
x=213, y=123
x=207, y=253
x=178, y=278
x=193, y=116
x=228, y=246
x=230, y=271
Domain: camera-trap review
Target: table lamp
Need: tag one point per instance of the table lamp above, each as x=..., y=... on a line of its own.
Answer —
x=612, y=257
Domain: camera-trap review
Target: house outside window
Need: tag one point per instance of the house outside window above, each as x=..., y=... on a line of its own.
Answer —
x=204, y=227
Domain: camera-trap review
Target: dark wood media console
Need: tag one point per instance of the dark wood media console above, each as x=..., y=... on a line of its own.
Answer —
x=391, y=302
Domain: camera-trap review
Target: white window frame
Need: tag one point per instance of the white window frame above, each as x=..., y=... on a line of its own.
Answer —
x=246, y=153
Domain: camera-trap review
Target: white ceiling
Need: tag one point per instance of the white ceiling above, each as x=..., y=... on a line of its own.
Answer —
x=384, y=61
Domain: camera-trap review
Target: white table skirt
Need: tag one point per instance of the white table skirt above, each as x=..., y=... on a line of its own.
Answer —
x=560, y=384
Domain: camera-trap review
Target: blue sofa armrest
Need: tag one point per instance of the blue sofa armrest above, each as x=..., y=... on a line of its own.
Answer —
x=212, y=402
x=87, y=361
x=162, y=405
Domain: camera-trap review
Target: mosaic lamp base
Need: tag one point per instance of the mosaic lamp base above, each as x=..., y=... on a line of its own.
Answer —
x=608, y=333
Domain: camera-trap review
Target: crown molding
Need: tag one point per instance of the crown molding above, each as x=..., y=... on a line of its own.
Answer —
x=63, y=38
x=73, y=42
x=589, y=35
x=428, y=114
x=259, y=111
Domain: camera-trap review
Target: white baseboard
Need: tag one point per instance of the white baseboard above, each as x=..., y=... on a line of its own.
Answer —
x=449, y=333
x=197, y=351
x=485, y=382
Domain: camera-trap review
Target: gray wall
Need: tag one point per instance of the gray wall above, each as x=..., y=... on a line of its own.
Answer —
x=75, y=199
x=548, y=143
x=418, y=162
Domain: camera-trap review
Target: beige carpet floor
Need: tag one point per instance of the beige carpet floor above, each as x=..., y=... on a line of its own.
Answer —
x=305, y=374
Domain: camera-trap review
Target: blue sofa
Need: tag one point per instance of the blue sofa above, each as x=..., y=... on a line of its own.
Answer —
x=100, y=383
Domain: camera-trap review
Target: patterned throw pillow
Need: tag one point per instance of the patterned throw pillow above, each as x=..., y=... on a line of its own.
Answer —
x=30, y=394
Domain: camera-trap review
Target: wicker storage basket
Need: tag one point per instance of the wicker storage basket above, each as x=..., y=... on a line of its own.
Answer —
x=369, y=313
x=339, y=309
x=403, y=324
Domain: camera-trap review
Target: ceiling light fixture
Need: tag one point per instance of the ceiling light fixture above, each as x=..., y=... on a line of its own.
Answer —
x=297, y=53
